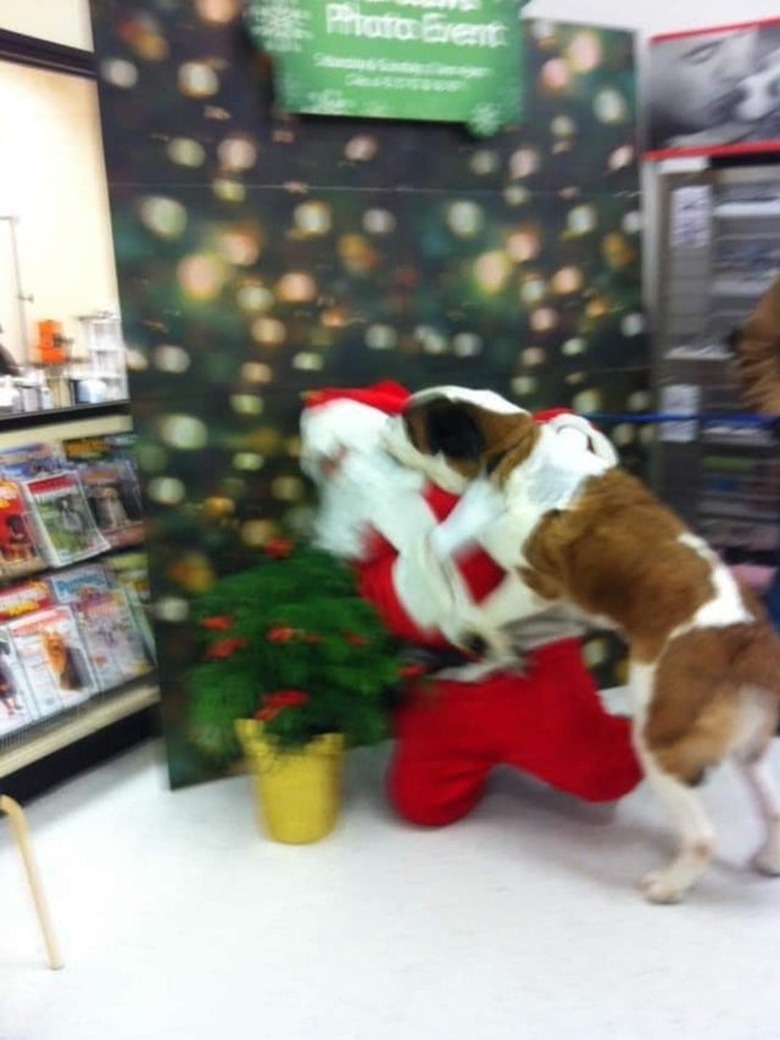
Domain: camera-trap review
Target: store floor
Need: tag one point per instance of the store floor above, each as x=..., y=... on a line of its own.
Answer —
x=178, y=921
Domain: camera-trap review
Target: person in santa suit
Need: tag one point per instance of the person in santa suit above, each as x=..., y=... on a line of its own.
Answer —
x=416, y=551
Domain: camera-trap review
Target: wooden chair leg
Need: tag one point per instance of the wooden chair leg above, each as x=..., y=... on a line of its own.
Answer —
x=22, y=837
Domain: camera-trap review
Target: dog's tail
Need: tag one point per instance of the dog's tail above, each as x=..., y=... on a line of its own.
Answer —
x=757, y=350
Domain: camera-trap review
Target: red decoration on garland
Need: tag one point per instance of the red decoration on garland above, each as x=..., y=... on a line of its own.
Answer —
x=280, y=548
x=281, y=634
x=355, y=640
x=217, y=624
x=275, y=703
x=226, y=648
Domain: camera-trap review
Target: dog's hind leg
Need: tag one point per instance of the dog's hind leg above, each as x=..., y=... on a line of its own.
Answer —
x=754, y=765
x=695, y=833
x=764, y=787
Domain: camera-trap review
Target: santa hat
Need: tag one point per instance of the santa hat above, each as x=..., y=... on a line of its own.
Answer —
x=388, y=397
x=339, y=418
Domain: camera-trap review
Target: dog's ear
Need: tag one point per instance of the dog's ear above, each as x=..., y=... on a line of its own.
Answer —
x=452, y=431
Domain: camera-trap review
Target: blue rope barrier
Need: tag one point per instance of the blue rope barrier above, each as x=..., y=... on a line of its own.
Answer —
x=648, y=418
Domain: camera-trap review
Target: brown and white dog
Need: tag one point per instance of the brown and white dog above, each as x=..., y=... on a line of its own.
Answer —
x=704, y=662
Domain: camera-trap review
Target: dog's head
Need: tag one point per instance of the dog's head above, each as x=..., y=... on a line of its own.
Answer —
x=453, y=434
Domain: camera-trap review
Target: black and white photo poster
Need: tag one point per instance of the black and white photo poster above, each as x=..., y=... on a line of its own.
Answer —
x=715, y=91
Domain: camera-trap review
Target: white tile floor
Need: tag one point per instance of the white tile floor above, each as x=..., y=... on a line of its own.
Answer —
x=178, y=921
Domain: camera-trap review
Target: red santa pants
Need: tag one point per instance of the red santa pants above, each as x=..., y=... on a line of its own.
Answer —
x=549, y=723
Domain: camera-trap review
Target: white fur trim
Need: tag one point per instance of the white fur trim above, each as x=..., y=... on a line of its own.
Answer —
x=367, y=490
x=431, y=590
x=327, y=428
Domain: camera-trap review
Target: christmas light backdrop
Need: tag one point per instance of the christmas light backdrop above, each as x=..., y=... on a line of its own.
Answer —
x=261, y=255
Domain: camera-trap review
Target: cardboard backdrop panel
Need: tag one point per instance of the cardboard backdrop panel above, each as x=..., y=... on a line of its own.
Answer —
x=715, y=91
x=260, y=255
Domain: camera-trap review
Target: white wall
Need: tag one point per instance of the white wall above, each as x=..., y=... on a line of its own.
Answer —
x=61, y=21
x=52, y=178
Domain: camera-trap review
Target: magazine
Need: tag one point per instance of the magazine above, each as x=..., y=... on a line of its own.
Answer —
x=63, y=520
x=17, y=708
x=108, y=473
x=82, y=584
x=112, y=639
x=31, y=460
x=24, y=598
x=19, y=554
x=131, y=572
x=140, y=614
x=106, y=621
x=54, y=659
x=131, y=569
x=105, y=488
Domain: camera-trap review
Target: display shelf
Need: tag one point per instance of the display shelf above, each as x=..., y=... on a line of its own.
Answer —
x=713, y=352
x=737, y=437
x=26, y=747
x=748, y=210
x=736, y=286
x=86, y=421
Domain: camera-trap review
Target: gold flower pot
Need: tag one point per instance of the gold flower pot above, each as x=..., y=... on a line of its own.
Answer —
x=297, y=793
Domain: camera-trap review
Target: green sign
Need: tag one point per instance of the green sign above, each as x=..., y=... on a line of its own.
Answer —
x=450, y=60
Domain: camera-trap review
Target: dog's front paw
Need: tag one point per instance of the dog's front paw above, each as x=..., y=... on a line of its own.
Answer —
x=767, y=860
x=662, y=887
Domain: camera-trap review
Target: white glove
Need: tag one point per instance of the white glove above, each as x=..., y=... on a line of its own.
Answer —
x=575, y=432
x=574, y=439
x=480, y=505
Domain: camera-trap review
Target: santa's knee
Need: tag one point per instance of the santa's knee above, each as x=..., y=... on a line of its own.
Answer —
x=428, y=802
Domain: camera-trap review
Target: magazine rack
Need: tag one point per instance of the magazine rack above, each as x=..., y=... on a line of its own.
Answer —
x=21, y=835
x=46, y=733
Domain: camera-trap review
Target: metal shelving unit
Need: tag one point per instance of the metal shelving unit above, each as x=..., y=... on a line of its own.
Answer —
x=720, y=252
